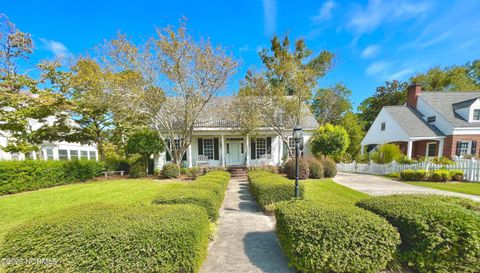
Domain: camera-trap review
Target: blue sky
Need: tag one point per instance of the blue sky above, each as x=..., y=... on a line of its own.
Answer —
x=374, y=40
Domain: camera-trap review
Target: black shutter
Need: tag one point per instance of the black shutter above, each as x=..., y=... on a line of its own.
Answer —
x=285, y=150
x=474, y=148
x=200, y=146
x=253, y=149
x=168, y=157
x=457, y=150
x=269, y=146
x=215, y=148
x=184, y=157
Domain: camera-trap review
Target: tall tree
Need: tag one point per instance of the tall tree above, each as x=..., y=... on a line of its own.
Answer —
x=281, y=91
x=177, y=77
x=330, y=104
x=450, y=78
x=32, y=111
x=331, y=140
x=354, y=128
x=392, y=93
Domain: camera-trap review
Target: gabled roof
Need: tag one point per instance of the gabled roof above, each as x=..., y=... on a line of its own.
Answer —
x=213, y=115
x=412, y=122
x=445, y=103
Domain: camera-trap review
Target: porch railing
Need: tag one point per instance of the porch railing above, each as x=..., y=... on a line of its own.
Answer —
x=470, y=167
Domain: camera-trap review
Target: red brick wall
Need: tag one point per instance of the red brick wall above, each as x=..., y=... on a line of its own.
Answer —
x=420, y=148
x=450, y=144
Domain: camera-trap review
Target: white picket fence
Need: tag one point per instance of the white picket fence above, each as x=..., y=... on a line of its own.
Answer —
x=470, y=167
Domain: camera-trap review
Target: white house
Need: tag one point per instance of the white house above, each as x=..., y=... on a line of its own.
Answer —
x=432, y=123
x=219, y=142
x=50, y=150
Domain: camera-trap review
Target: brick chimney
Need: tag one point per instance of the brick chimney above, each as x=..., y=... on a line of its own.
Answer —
x=413, y=91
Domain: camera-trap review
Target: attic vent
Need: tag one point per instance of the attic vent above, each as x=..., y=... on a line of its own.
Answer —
x=383, y=126
x=431, y=119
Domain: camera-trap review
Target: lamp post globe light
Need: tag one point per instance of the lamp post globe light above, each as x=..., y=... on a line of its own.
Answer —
x=298, y=138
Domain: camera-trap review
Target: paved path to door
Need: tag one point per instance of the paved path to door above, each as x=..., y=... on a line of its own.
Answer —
x=245, y=241
x=377, y=185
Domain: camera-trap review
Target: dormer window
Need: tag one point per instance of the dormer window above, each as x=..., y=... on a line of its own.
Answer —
x=431, y=119
x=476, y=114
x=383, y=126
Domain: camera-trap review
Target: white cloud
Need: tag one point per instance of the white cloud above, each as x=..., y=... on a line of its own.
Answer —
x=244, y=48
x=400, y=74
x=376, y=68
x=377, y=12
x=269, y=16
x=370, y=51
x=325, y=12
x=56, y=47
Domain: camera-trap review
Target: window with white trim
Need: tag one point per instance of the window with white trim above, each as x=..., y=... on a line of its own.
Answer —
x=84, y=154
x=93, y=155
x=208, y=148
x=261, y=145
x=73, y=154
x=476, y=114
x=291, y=145
x=62, y=154
x=463, y=148
x=49, y=153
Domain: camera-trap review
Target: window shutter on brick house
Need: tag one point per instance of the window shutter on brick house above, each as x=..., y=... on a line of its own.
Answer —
x=457, y=149
x=474, y=148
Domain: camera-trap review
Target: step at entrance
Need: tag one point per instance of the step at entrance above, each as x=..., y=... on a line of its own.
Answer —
x=237, y=171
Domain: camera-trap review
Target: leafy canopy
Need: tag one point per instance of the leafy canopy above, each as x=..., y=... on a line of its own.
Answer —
x=330, y=140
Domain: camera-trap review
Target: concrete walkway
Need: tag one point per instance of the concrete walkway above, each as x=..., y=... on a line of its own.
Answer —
x=245, y=241
x=377, y=185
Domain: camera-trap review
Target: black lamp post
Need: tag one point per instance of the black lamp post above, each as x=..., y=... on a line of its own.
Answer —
x=298, y=137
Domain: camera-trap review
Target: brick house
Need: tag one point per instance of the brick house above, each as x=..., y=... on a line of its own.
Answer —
x=432, y=123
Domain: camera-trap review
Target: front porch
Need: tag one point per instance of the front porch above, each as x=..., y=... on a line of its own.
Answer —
x=415, y=148
x=229, y=149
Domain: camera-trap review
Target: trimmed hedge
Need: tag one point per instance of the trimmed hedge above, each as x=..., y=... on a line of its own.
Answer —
x=271, y=188
x=327, y=238
x=410, y=175
x=207, y=191
x=316, y=167
x=437, y=236
x=440, y=176
x=29, y=175
x=457, y=175
x=111, y=238
x=329, y=167
x=170, y=171
x=303, y=166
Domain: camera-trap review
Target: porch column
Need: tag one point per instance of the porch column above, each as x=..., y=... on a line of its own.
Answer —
x=189, y=156
x=280, y=151
x=440, y=147
x=223, y=151
x=409, y=149
x=248, y=151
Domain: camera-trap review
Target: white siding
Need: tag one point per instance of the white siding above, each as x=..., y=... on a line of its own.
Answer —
x=392, y=132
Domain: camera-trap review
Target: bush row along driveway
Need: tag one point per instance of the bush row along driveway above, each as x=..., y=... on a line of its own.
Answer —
x=377, y=185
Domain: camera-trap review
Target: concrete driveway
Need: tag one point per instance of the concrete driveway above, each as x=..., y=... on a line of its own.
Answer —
x=377, y=185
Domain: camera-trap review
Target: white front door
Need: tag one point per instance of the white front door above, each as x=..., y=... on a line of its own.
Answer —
x=234, y=153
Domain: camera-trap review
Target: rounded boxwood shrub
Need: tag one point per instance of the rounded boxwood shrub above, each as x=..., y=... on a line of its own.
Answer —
x=268, y=188
x=193, y=173
x=138, y=169
x=329, y=167
x=304, y=170
x=317, y=237
x=440, y=176
x=111, y=238
x=457, y=175
x=411, y=175
x=437, y=236
x=316, y=167
x=170, y=171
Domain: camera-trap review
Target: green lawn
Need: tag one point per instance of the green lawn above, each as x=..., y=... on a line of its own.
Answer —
x=326, y=190
x=16, y=209
x=461, y=187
